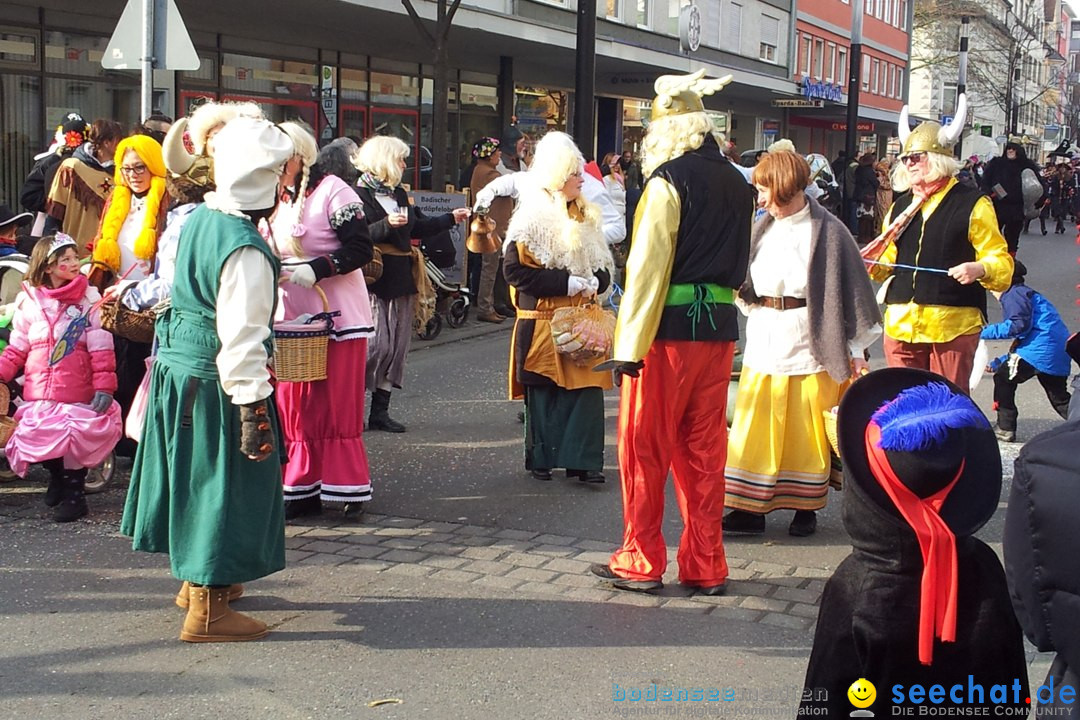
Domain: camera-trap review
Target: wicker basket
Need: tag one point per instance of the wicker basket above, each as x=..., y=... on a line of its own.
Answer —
x=373, y=269
x=7, y=424
x=300, y=350
x=119, y=319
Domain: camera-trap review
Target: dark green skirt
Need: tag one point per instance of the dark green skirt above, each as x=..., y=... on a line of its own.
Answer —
x=193, y=495
x=564, y=428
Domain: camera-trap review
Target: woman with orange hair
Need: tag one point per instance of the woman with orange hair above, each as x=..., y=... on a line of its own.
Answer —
x=127, y=245
x=810, y=315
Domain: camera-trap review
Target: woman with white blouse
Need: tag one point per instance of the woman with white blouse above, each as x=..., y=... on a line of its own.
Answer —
x=811, y=314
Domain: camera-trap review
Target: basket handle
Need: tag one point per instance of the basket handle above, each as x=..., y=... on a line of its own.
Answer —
x=322, y=296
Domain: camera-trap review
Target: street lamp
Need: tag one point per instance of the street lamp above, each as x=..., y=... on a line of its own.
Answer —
x=854, y=70
x=961, y=79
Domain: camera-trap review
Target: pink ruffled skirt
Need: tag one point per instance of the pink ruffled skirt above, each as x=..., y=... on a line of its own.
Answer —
x=48, y=429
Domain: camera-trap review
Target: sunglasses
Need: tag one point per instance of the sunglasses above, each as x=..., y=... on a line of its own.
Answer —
x=913, y=158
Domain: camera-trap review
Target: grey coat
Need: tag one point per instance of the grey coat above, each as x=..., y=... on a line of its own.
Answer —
x=840, y=300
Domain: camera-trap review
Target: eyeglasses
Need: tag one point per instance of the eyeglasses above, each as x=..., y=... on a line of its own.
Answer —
x=133, y=170
x=913, y=158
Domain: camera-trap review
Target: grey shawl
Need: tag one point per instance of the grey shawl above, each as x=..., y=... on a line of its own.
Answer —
x=840, y=301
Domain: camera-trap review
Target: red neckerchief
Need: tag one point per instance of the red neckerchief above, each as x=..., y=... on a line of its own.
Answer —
x=931, y=189
x=937, y=599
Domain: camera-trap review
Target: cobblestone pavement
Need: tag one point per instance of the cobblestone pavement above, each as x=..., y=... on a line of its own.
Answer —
x=515, y=560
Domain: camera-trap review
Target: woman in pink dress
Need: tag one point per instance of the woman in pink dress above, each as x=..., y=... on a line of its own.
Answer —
x=320, y=234
x=69, y=420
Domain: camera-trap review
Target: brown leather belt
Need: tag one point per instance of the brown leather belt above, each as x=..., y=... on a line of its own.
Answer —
x=783, y=303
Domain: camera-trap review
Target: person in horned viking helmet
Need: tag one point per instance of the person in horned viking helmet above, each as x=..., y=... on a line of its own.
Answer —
x=943, y=250
x=675, y=340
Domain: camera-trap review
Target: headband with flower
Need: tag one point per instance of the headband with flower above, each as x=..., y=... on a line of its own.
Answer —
x=485, y=147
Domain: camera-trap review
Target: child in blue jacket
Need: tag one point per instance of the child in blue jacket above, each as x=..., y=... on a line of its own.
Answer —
x=1038, y=350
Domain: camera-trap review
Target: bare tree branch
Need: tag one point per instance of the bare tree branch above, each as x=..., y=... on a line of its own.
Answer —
x=418, y=21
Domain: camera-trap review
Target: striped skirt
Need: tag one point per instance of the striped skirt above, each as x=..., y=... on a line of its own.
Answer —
x=778, y=453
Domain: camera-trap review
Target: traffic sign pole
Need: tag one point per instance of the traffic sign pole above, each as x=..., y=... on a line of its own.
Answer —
x=146, y=62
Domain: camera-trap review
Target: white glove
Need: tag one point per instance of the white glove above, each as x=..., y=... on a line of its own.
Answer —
x=303, y=275
x=594, y=286
x=576, y=285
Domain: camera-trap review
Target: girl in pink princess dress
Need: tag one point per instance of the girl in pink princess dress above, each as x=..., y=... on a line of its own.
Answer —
x=68, y=420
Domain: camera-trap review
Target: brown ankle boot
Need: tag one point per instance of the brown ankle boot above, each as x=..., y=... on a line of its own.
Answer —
x=209, y=618
x=235, y=591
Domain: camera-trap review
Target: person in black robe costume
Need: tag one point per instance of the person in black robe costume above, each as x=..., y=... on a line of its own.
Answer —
x=869, y=622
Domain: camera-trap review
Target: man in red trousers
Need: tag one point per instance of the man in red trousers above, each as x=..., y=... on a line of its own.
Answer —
x=675, y=340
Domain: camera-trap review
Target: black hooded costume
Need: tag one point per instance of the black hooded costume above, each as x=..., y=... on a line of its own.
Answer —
x=1003, y=172
x=868, y=625
x=1041, y=561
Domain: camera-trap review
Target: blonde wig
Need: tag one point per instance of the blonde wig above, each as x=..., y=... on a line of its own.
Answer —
x=107, y=247
x=555, y=159
x=381, y=157
x=308, y=150
x=672, y=136
x=941, y=166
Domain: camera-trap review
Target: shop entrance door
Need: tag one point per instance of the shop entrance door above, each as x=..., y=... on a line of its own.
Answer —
x=353, y=121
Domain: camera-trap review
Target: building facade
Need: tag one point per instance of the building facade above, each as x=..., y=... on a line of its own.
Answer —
x=359, y=67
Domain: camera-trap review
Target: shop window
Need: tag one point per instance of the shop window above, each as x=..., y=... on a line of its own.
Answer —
x=266, y=76
x=117, y=98
x=21, y=129
x=394, y=89
x=354, y=85
x=71, y=54
x=205, y=75
x=18, y=48
x=770, y=38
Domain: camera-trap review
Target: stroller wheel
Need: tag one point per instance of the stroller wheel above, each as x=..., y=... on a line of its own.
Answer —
x=6, y=473
x=98, y=478
x=432, y=329
x=458, y=312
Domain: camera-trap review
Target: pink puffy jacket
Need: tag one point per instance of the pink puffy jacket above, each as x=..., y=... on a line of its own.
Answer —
x=39, y=322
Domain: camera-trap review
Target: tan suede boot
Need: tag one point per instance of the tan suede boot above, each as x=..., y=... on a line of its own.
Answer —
x=235, y=591
x=209, y=619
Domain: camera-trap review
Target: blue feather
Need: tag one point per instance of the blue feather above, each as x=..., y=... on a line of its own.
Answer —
x=922, y=417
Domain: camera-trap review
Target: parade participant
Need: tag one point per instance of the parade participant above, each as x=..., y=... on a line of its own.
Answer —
x=487, y=154
x=126, y=247
x=944, y=250
x=321, y=236
x=10, y=223
x=188, y=180
x=1001, y=181
x=555, y=252
x=1041, y=562
x=208, y=492
x=675, y=340
x=811, y=315
x=69, y=421
x=70, y=136
x=81, y=185
x=919, y=602
x=393, y=222
x=1038, y=335
x=512, y=157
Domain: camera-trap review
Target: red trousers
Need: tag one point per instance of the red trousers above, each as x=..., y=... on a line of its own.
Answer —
x=672, y=417
x=953, y=360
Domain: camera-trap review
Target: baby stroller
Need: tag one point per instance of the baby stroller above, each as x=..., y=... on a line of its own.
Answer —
x=12, y=269
x=451, y=299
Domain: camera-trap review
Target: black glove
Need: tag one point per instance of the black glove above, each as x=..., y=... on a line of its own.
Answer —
x=256, y=437
x=630, y=369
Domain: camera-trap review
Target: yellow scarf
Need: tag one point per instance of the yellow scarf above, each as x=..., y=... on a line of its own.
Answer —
x=106, y=247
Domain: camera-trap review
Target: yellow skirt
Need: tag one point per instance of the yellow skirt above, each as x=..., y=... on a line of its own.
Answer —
x=778, y=453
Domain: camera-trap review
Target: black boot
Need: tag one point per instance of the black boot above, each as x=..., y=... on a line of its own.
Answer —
x=73, y=499
x=56, y=482
x=380, y=419
x=304, y=506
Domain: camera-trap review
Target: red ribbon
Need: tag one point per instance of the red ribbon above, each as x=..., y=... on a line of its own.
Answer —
x=937, y=543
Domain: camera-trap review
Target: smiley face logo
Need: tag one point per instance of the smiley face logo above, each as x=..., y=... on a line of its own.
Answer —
x=862, y=693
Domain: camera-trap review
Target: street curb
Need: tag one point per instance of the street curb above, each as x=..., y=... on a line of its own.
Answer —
x=473, y=329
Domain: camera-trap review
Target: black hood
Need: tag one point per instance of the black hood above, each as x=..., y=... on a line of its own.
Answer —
x=1021, y=154
x=880, y=539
